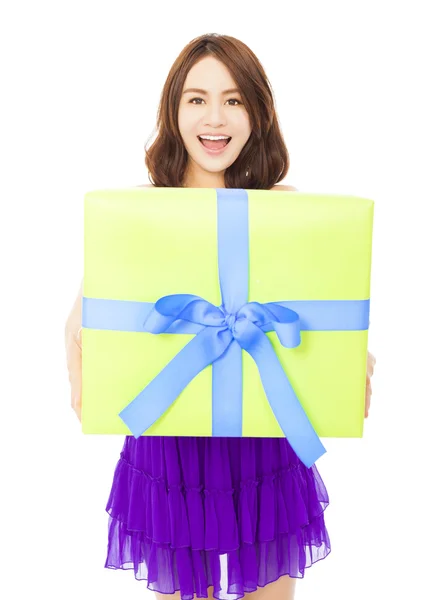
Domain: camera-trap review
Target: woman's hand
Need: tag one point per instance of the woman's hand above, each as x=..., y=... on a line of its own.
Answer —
x=73, y=353
x=369, y=372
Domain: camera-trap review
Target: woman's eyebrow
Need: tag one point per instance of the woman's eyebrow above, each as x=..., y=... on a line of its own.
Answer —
x=204, y=92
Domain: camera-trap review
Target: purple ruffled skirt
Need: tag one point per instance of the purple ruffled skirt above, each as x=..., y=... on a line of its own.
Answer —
x=177, y=505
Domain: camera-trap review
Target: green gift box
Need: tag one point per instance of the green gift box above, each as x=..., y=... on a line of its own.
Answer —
x=308, y=252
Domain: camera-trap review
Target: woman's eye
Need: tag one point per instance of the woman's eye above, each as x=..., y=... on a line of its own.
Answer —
x=230, y=100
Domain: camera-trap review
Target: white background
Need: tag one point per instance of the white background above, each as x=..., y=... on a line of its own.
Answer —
x=80, y=86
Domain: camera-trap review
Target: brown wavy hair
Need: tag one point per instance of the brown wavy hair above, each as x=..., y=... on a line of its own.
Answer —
x=264, y=156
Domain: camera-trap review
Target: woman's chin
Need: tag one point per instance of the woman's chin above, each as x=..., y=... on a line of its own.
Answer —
x=212, y=165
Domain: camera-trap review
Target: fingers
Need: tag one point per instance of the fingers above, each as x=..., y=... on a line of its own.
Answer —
x=368, y=394
x=73, y=343
x=371, y=361
x=78, y=338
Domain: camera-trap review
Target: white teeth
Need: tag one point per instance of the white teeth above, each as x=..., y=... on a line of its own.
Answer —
x=214, y=137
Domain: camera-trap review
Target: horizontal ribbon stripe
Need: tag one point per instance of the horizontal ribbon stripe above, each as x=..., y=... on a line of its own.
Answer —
x=221, y=335
x=315, y=315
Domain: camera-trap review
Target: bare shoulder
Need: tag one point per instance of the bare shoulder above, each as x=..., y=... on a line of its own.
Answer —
x=279, y=188
x=283, y=188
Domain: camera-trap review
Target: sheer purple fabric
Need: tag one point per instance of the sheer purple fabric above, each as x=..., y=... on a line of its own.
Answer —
x=177, y=504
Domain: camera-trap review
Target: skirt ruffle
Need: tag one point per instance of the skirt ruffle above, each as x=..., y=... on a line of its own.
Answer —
x=177, y=504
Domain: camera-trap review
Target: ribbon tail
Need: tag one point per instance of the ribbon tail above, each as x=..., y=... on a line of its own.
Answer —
x=162, y=391
x=286, y=406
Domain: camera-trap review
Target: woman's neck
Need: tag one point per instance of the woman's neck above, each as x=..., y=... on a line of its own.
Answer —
x=204, y=180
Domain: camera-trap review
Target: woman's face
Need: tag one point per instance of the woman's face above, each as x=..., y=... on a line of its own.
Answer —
x=212, y=111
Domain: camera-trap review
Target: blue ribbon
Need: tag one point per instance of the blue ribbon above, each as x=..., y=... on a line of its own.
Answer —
x=221, y=335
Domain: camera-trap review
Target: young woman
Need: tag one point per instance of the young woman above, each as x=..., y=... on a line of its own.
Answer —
x=213, y=517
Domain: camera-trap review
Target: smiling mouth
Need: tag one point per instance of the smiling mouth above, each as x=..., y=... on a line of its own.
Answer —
x=214, y=144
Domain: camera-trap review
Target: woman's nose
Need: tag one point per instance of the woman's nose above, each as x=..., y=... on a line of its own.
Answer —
x=215, y=115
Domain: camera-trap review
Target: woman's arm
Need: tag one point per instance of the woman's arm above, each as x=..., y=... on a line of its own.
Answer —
x=73, y=351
